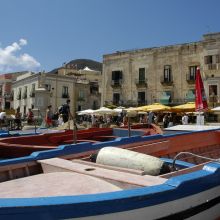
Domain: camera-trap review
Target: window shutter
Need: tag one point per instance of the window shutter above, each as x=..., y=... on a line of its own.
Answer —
x=206, y=60
x=217, y=58
x=113, y=75
x=120, y=75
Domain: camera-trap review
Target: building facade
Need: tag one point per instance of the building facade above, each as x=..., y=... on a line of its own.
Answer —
x=6, y=95
x=54, y=89
x=163, y=74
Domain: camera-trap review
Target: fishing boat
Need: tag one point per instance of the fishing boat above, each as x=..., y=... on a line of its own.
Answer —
x=20, y=145
x=84, y=185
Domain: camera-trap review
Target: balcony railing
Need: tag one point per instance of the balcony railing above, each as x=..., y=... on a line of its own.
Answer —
x=19, y=97
x=142, y=102
x=65, y=96
x=212, y=66
x=24, y=96
x=80, y=99
x=116, y=83
x=190, y=78
x=32, y=94
x=166, y=81
x=141, y=82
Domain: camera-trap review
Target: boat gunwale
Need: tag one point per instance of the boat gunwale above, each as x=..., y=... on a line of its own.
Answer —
x=173, y=189
x=78, y=148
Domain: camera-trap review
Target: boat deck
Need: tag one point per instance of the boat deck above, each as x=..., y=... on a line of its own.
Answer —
x=75, y=178
x=44, y=185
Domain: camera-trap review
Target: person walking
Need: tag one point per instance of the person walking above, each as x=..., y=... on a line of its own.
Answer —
x=60, y=120
x=30, y=117
x=49, y=116
x=165, y=121
x=18, y=119
x=65, y=111
x=185, y=119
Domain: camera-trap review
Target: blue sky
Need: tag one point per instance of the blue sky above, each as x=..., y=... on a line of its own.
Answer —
x=42, y=34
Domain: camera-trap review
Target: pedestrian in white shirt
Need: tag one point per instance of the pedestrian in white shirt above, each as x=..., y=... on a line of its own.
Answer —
x=185, y=119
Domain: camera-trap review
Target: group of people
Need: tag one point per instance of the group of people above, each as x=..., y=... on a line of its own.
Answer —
x=51, y=119
x=61, y=116
x=101, y=120
x=170, y=119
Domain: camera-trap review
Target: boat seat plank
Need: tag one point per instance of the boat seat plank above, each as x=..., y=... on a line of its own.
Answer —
x=58, y=164
x=137, y=172
x=54, y=184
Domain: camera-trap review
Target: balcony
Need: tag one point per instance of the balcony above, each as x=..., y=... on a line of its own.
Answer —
x=24, y=96
x=65, y=96
x=190, y=78
x=141, y=82
x=166, y=81
x=142, y=102
x=32, y=94
x=19, y=97
x=116, y=83
x=8, y=96
x=81, y=99
x=212, y=66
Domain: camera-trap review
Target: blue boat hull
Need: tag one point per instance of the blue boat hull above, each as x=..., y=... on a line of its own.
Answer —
x=195, y=196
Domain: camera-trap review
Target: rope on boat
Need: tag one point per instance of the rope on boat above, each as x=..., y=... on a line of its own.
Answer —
x=195, y=155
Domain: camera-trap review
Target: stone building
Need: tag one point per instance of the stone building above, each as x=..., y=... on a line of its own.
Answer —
x=38, y=90
x=6, y=95
x=162, y=74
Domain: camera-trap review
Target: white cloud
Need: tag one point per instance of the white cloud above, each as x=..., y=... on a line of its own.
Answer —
x=11, y=60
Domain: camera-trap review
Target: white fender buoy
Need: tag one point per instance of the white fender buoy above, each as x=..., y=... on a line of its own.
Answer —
x=119, y=157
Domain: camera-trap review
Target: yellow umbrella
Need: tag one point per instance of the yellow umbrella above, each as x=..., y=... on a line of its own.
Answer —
x=188, y=107
x=155, y=107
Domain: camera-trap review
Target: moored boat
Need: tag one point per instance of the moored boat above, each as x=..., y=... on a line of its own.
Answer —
x=23, y=145
x=73, y=187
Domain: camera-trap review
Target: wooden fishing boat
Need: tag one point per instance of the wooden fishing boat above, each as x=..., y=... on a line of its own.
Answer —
x=74, y=187
x=20, y=145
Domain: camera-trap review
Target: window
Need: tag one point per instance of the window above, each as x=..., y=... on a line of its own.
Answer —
x=213, y=90
x=117, y=77
x=192, y=72
x=167, y=73
x=116, y=98
x=141, y=74
x=24, y=96
x=190, y=96
x=19, y=94
x=95, y=105
x=208, y=60
x=32, y=92
x=217, y=58
x=7, y=105
x=65, y=93
x=213, y=94
x=12, y=95
x=141, y=98
x=25, y=110
x=81, y=95
x=48, y=87
x=166, y=97
x=94, y=88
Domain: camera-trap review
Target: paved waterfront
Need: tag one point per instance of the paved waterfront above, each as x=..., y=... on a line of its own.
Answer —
x=194, y=127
